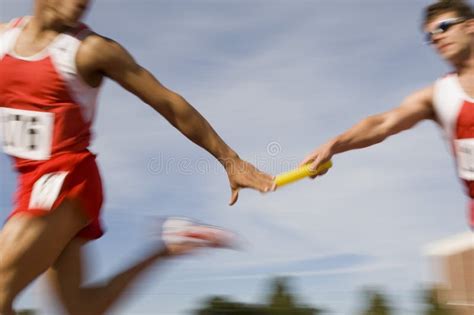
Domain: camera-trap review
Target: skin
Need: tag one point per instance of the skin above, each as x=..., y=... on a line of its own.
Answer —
x=25, y=238
x=456, y=46
x=100, y=57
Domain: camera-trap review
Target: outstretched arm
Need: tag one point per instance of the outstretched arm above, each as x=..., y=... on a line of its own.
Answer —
x=375, y=129
x=113, y=61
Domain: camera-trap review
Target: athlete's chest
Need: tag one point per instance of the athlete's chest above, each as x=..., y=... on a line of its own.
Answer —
x=36, y=82
x=27, y=45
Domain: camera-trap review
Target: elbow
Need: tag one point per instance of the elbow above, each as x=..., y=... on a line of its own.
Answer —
x=174, y=99
x=164, y=101
x=167, y=105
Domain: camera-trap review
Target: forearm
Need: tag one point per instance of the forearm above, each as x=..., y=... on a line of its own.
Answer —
x=118, y=65
x=196, y=128
x=369, y=131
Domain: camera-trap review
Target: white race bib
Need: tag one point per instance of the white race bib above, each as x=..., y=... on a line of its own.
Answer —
x=27, y=134
x=465, y=158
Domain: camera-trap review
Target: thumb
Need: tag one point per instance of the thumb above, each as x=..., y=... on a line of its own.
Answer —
x=234, y=197
x=308, y=159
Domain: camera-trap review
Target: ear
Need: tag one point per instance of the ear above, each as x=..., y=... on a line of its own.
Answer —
x=470, y=26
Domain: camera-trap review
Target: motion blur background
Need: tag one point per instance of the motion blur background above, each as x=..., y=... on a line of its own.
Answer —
x=276, y=78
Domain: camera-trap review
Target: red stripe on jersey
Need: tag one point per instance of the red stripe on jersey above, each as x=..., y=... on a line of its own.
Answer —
x=16, y=22
x=465, y=130
x=465, y=122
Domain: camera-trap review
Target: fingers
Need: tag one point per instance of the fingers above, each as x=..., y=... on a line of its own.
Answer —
x=320, y=174
x=257, y=180
x=324, y=172
x=249, y=177
x=315, y=164
x=234, y=197
x=262, y=182
x=274, y=186
x=266, y=182
x=308, y=159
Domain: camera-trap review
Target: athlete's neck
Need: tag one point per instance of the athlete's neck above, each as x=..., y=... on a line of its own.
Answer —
x=40, y=28
x=465, y=63
x=45, y=23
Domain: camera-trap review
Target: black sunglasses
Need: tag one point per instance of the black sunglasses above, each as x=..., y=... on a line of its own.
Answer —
x=442, y=27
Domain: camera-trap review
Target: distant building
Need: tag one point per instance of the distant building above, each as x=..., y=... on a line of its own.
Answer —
x=455, y=260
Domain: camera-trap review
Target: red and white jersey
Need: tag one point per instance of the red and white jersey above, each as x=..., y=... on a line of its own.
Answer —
x=45, y=107
x=455, y=111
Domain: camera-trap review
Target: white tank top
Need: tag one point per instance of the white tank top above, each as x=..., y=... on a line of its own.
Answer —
x=455, y=111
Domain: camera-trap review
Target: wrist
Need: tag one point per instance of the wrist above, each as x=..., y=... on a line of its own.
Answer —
x=333, y=146
x=228, y=159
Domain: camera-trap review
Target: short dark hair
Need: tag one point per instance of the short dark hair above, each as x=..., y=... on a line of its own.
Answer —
x=460, y=7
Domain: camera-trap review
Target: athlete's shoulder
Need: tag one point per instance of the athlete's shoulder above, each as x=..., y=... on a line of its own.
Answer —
x=445, y=77
x=420, y=101
x=100, y=43
x=101, y=49
x=424, y=94
x=446, y=82
x=99, y=54
x=3, y=27
x=94, y=40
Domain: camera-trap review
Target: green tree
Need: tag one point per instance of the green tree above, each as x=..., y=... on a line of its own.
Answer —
x=433, y=304
x=223, y=306
x=280, y=301
x=280, y=296
x=376, y=304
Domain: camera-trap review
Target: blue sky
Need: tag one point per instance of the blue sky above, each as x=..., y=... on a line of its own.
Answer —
x=276, y=79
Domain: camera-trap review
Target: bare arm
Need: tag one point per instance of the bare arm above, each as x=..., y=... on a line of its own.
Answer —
x=116, y=63
x=375, y=129
x=107, y=58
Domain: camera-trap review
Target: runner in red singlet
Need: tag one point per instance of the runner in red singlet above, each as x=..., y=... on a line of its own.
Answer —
x=449, y=27
x=51, y=70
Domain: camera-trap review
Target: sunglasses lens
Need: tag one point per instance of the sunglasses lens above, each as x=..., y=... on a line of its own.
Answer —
x=444, y=26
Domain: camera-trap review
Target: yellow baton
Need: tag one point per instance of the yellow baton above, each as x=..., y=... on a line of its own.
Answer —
x=299, y=173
